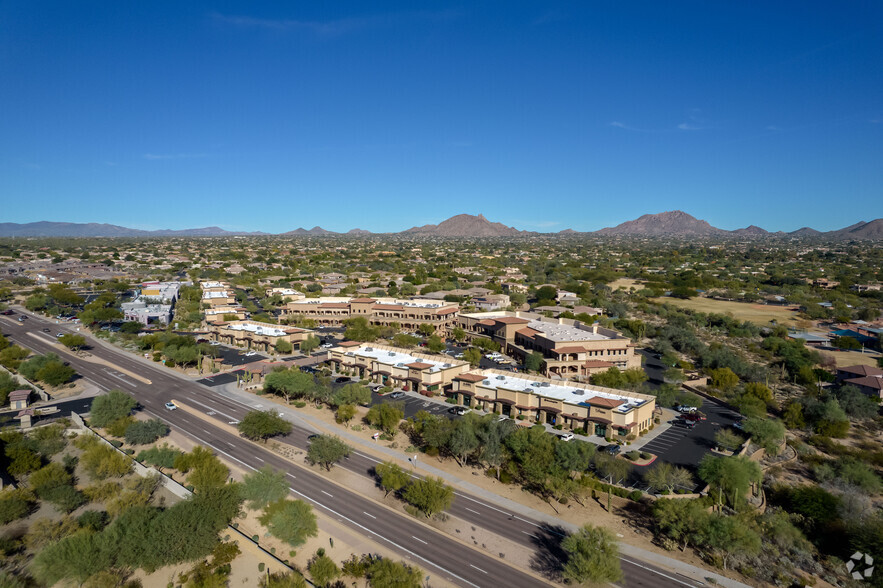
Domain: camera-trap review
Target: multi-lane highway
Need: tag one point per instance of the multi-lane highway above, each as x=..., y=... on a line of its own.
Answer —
x=438, y=553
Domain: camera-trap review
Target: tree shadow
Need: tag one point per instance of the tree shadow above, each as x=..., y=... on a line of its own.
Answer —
x=549, y=557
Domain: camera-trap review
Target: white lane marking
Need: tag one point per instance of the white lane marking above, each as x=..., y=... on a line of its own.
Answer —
x=530, y=534
x=292, y=475
x=232, y=418
x=470, y=510
x=420, y=540
x=655, y=571
x=477, y=568
x=325, y=493
x=367, y=457
x=259, y=459
x=230, y=444
x=369, y=514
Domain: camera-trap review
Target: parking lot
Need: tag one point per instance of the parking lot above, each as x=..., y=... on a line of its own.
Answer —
x=685, y=447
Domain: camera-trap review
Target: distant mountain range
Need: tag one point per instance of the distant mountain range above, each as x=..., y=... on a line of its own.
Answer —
x=666, y=224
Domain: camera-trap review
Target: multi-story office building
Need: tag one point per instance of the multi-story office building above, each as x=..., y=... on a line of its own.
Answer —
x=570, y=349
x=407, y=314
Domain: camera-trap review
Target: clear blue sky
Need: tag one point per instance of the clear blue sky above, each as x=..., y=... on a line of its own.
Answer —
x=542, y=115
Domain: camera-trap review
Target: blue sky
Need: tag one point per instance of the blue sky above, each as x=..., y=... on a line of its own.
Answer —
x=385, y=115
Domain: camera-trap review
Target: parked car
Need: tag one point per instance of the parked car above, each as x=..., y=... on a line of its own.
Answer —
x=170, y=406
x=612, y=449
x=327, y=345
x=397, y=394
x=250, y=353
x=214, y=343
x=342, y=379
x=459, y=410
x=60, y=335
x=568, y=437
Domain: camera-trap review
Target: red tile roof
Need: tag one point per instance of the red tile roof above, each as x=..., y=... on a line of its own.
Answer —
x=597, y=363
x=362, y=300
x=604, y=402
x=470, y=377
x=419, y=365
x=572, y=349
x=862, y=370
x=873, y=382
x=511, y=320
x=19, y=395
x=527, y=332
x=349, y=344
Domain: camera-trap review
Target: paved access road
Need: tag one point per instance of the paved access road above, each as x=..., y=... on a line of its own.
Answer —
x=436, y=552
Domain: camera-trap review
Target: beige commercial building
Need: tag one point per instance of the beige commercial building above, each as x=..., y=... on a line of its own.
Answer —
x=600, y=411
x=220, y=314
x=571, y=349
x=396, y=367
x=256, y=335
x=407, y=314
x=217, y=294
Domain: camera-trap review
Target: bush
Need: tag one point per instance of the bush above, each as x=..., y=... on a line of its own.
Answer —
x=145, y=432
x=633, y=455
x=636, y=495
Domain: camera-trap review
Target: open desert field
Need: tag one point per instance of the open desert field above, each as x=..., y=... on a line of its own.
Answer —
x=759, y=314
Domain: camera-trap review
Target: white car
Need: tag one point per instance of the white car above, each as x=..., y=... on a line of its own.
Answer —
x=171, y=406
x=214, y=343
x=566, y=436
x=251, y=353
x=326, y=346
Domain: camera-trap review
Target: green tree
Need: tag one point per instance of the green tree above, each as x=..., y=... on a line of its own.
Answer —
x=352, y=394
x=425, y=329
x=358, y=329
x=405, y=341
x=473, y=356
x=392, y=477
x=289, y=383
x=102, y=461
x=72, y=342
x=284, y=347
x=326, y=450
x=732, y=476
x=386, y=416
x=534, y=362
x=145, y=432
x=430, y=495
x=435, y=344
x=291, y=521
x=15, y=503
x=592, y=556
x=463, y=440
x=729, y=536
x=160, y=457
x=680, y=520
x=323, y=570
x=110, y=407
x=793, y=415
x=260, y=425
x=48, y=478
x=728, y=440
x=767, y=433
x=666, y=477
x=458, y=334
x=264, y=486
x=309, y=344
x=385, y=573
x=724, y=379
x=345, y=413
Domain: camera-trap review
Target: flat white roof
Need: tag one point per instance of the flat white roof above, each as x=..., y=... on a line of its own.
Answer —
x=557, y=332
x=213, y=285
x=216, y=295
x=400, y=359
x=257, y=329
x=571, y=394
x=420, y=303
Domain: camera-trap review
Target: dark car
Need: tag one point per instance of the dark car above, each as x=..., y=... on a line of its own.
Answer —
x=612, y=449
x=8, y=312
x=342, y=379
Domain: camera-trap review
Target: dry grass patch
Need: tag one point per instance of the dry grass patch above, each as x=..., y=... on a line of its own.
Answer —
x=759, y=314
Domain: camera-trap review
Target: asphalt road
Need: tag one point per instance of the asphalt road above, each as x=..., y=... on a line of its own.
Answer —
x=436, y=552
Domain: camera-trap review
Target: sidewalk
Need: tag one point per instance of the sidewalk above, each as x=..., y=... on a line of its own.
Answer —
x=231, y=391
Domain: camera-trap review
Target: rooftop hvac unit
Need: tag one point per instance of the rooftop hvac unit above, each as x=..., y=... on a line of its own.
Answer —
x=545, y=384
x=446, y=365
x=528, y=390
x=486, y=382
x=579, y=392
x=536, y=384
x=400, y=364
x=501, y=377
x=369, y=349
x=392, y=353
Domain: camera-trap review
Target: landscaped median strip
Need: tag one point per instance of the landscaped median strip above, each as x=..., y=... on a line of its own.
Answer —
x=93, y=359
x=432, y=530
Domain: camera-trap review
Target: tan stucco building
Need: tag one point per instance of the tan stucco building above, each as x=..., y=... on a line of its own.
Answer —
x=571, y=349
x=396, y=367
x=217, y=294
x=257, y=335
x=408, y=314
x=601, y=411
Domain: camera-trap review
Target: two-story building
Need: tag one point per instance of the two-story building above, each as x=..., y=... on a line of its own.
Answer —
x=570, y=349
x=217, y=294
x=600, y=411
x=396, y=367
x=256, y=335
x=407, y=314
